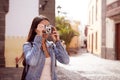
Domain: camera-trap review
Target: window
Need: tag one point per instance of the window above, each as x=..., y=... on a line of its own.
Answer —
x=96, y=41
x=96, y=9
x=92, y=14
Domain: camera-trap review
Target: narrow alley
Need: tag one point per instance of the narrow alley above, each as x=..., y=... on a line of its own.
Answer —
x=87, y=66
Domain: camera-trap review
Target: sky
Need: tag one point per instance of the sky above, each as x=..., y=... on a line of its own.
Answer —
x=75, y=9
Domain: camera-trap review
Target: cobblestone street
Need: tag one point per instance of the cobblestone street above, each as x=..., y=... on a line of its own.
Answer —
x=82, y=66
x=86, y=66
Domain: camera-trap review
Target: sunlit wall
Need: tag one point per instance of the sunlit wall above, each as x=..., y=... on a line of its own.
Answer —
x=18, y=21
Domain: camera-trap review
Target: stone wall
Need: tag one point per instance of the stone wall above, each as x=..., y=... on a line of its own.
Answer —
x=3, y=10
x=48, y=10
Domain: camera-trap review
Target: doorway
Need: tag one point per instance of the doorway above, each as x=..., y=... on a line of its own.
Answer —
x=92, y=43
x=117, y=41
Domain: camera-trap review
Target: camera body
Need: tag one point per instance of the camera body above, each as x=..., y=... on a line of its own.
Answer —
x=48, y=29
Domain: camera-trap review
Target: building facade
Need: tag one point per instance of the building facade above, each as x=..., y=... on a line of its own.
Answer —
x=96, y=27
x=113, y=29
x=103, y=31
x=4, y=4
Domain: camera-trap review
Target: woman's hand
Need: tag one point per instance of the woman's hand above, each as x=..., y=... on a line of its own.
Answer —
x=55, y=35
x=40, y=29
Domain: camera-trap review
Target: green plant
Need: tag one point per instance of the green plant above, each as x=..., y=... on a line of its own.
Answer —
x=65, y=30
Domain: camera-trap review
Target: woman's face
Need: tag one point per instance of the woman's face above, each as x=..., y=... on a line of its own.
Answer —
x=45, y=22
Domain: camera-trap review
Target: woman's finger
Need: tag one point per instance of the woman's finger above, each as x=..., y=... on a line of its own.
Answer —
x=55, y=32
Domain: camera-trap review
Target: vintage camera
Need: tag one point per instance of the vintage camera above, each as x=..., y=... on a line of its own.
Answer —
x=48, y=29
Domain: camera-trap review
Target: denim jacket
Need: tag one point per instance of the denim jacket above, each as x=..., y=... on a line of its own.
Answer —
x=35, y=57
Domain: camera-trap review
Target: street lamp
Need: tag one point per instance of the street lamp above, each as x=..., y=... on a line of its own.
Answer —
x=61, y=12
x=59, y=9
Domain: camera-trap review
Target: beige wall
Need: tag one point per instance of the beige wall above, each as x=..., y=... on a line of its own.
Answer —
x=110, y=31
x=75, y=43
x=13, y=49
x=18, y=22
x=94, y=30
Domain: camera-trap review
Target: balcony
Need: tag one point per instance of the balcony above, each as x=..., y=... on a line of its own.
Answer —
x=113, y=10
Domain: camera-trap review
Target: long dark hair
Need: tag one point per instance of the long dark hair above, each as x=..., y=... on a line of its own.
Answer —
x=30, y=39
x=34, y=24
x=32, y=32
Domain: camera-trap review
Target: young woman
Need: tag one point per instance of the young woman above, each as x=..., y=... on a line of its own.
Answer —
x=40, y=52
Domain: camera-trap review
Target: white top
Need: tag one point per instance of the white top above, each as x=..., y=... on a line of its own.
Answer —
x=46, y=72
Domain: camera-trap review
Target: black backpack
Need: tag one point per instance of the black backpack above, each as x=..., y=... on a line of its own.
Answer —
x=25, y=70
x=26, y=67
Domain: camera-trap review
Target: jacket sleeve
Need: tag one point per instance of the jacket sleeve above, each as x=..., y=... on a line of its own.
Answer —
x=32, y=52
x=60, y=53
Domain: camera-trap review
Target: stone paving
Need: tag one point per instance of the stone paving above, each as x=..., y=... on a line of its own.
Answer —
x=87, y=66
x=83, y=66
